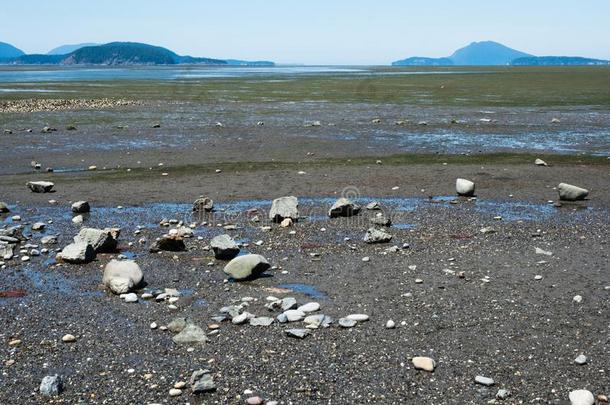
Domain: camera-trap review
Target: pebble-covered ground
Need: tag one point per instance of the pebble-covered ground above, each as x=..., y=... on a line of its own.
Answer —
x=503, y=298
x=461, y=282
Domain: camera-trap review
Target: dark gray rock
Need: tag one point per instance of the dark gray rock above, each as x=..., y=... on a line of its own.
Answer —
x=81, y=207
x=203, y=204
x=201, y=381
x=40, y=186
x=224, y=247
x=170, y=243
x=343, y=208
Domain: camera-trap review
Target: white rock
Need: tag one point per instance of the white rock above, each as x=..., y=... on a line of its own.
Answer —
x=131, y=297
x=581, y=359
x=358, y=317
x=484, y=380
x=121, y=276
x=464, y=187
x=309, y=307
x=284, y=207
x=540, y=162
x=581, y=397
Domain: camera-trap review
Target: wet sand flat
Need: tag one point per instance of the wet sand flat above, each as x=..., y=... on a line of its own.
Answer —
x=484, y=286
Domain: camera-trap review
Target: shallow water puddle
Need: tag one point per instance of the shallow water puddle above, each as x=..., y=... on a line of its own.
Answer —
x=306, y=289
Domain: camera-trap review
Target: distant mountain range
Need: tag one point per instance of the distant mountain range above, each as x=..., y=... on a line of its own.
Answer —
x=489, y=53
x=114, y=53
x=66, y=49
x=9, y=51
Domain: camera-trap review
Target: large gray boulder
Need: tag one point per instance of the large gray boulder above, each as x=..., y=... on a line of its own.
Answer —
x=76, y=253
x=121, y=276
x=568, y=192
x=284, y=207
x=101, y=240
x=374, y=235
x=40, y=186
x=343, y=207
x=225, y=248
x=4, y=208
x=246, y=267
x=464, y=187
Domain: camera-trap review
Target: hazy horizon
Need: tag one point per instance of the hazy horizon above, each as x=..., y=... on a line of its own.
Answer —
x=342, y=33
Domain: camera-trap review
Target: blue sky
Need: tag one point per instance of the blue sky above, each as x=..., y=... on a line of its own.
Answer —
x=313, y=31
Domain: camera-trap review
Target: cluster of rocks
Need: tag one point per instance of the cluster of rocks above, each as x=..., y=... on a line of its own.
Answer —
x=290, y=312
x=88, y=243
x=36, y=105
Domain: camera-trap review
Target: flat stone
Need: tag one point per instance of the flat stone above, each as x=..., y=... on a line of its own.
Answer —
x=261, y=321
x=424, y=363
x=488, y=382
x=347, y=323
x=318, y=320
x=297, y=333
x=191, y=334
x=309, y=307
x=288, y=303
x=201, y=381
x=40, y=186
x=242, y=318
x=358, y=317
x=294, y=315
x=48, y=240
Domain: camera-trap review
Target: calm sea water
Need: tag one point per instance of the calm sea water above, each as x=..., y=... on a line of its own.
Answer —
x=33, y=74
x=9, y=74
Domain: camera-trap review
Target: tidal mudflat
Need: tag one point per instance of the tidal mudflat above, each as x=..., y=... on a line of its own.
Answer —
x=377, y=284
